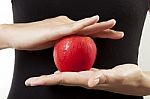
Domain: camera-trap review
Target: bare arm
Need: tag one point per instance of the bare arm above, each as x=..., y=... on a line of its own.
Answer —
x=44, y=34
x=126, y=79
x=3, y=44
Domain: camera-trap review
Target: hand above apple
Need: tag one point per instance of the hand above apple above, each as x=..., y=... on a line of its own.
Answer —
x=43, y=34
x=125, y=79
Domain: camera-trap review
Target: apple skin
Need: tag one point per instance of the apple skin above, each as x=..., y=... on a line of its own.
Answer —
x=75, y=53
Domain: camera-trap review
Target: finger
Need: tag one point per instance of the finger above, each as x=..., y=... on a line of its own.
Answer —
x=111, y=34
x=78, y=25
x=72, y=28
x=52, y=79
x=103, y=77
x=97, y=27
x=97, y=78
x=75, y=78
x=65, y=78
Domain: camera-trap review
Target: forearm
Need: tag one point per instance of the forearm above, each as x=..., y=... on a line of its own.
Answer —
x=3, y=34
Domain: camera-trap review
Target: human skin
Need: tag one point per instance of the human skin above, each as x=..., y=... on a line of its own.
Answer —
x=44, y=34
x=126, y=79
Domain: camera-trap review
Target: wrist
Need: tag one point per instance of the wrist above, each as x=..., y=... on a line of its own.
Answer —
x=146, y=79
x=145, y=83
x=3, y=36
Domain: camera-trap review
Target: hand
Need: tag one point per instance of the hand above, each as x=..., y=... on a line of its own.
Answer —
x=43, y=34
x=124, y=79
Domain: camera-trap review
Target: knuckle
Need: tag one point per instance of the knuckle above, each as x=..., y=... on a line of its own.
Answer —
x=44, y=76
x=64, y=17
x=46, y=20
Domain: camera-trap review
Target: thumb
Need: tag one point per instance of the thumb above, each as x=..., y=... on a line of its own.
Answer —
x=101, y=77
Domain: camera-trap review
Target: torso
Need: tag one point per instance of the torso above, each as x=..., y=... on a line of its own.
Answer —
x=130, y=16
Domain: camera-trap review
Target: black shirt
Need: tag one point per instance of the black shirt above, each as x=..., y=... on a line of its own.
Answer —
x=130, y=16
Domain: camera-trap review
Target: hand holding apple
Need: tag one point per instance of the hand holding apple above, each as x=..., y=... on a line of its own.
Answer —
x=124, y=79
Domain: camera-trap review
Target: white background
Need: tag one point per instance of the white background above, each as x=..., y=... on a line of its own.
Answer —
x=7, y=55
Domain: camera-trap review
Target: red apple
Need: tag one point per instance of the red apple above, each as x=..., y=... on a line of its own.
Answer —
x=74, y=53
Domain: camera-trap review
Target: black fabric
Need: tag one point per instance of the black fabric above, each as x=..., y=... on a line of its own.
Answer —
x=130, y=16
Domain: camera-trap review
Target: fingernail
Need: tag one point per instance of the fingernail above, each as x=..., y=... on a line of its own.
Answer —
x=32, y=83
x=96, y=16
x=27, y=83
x=95, y=82
x=112, y=20
x=122, y=34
